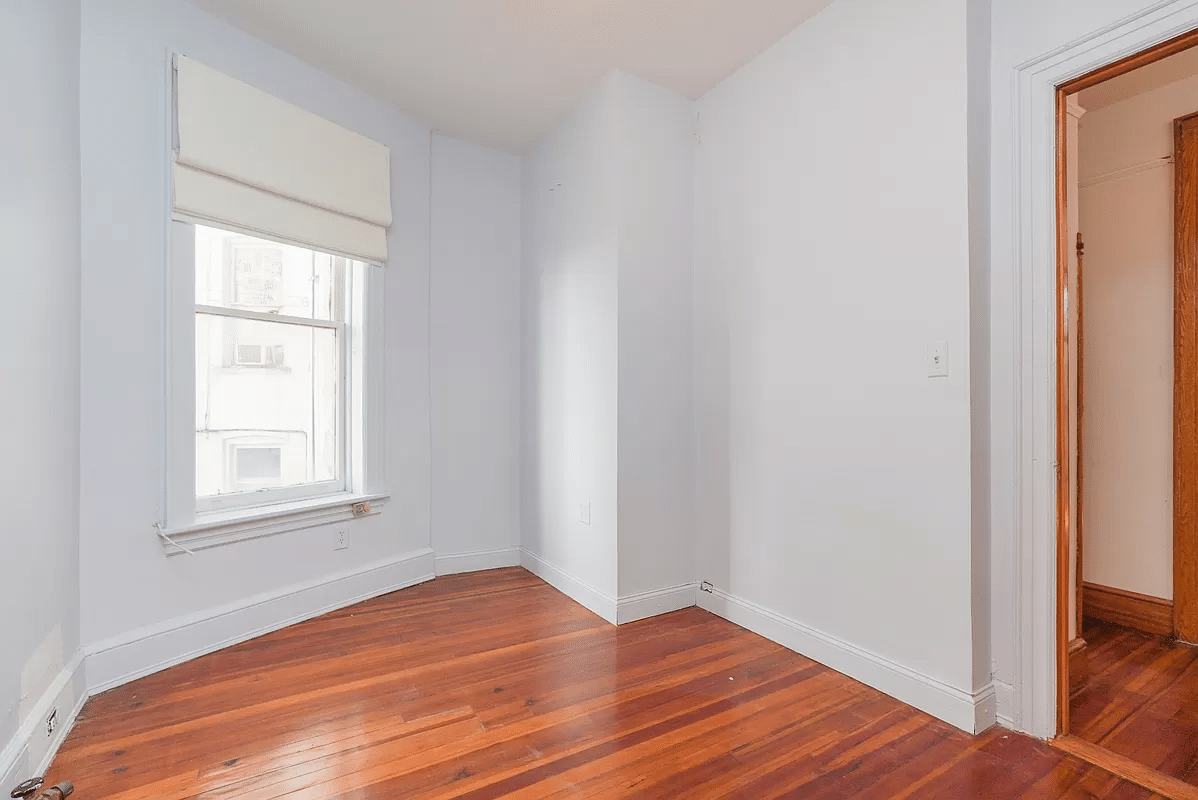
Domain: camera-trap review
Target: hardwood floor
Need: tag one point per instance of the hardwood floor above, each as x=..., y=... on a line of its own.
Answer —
x=495, y=685
x=1139, y=698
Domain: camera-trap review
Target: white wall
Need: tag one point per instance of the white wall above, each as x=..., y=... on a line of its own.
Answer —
x=607, y=351
x=39, y=222
x=978, y=15
x=834, y=475
x=1128, y=227
x=656, y=168
x=140, y=609
x=569, y=296
x=475, y=361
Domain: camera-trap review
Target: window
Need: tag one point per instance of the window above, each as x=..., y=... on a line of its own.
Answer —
x=278, y=233
x=269, y=392
x=257, y=466
x=255, y=301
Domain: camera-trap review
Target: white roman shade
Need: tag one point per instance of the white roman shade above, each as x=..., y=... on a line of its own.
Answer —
x=250, y=162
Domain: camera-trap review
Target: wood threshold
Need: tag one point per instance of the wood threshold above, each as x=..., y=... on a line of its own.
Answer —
x=1152, y=615
x=1126, y=768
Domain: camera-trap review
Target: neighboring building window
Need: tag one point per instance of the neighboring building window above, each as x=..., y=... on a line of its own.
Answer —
x=271, y=348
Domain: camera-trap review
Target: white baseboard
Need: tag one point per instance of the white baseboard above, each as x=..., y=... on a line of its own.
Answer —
x=30, y=751
x=660, y=601
x=477, y=561
x=582, y=593
x=1004, y=696
x=972, y=712
x=153, y=648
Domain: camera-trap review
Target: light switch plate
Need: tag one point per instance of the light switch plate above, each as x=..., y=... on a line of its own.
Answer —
x=938, y=360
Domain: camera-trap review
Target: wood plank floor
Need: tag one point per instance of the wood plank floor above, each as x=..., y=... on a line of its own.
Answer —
x=495, y=685
x=1139, y=698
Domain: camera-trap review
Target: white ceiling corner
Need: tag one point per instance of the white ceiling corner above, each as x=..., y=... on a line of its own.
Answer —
x=501, y=72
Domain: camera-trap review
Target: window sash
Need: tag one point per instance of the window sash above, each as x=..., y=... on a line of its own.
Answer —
x=264, y=316
x=267, y=497
x=284, y=494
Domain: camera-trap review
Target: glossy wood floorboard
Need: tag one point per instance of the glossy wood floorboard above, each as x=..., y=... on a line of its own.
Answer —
x=1139, y=698
x=495, y=685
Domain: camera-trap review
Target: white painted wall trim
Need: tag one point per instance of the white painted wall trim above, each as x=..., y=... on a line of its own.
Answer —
x=972, y=712
x=1004, y=696
x=30, y=751
x=1034, y=326
x=134, y=655
x=477, y=561
x=659, y=601
x=228, y=528
x=582, y=593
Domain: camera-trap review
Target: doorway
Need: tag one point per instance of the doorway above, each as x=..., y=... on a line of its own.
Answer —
x=1127, y=411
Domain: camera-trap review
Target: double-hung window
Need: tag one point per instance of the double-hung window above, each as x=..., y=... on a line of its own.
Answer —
x=272, y=370
x=277, y=243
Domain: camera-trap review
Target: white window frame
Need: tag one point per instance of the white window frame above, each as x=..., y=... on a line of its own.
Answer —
x=194, y=523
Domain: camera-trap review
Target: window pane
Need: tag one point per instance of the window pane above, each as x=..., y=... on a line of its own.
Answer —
x=259, y=464
x=237, y=271
x=266, y=404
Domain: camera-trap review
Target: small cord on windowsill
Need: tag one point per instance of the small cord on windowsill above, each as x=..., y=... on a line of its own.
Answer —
x=171, y=541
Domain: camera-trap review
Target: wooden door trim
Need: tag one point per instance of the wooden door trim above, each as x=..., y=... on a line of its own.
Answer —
x=1096, y=76
x=1185, y=378
x=1079, y=522
x=1062, y=411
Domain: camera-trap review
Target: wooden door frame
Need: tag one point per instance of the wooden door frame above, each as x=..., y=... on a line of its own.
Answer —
x=1079, y=505
x=1185, y=379
x=1127, y=64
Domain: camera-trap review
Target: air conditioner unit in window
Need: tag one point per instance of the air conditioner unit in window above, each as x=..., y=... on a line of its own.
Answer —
x=249, y=355
x=258, y=355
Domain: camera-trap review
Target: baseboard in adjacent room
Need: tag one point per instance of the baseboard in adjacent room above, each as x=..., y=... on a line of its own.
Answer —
x=477, y=561
x=1131, y=609
x=973, y=712
x=660, y=601
x=148, y=650
x=30, y=751
x=579, y=591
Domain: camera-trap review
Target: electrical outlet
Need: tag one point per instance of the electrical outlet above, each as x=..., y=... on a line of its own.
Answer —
x=584, y=513
x=51, y=722
x=341, y=539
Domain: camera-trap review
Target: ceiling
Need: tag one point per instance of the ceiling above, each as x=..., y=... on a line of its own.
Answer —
x=1152, y=76
x=502, y=72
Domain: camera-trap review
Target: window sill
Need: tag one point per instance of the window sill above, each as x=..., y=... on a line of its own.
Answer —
x=228, y=527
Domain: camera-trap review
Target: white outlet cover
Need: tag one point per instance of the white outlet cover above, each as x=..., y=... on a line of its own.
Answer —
x=341, y=539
